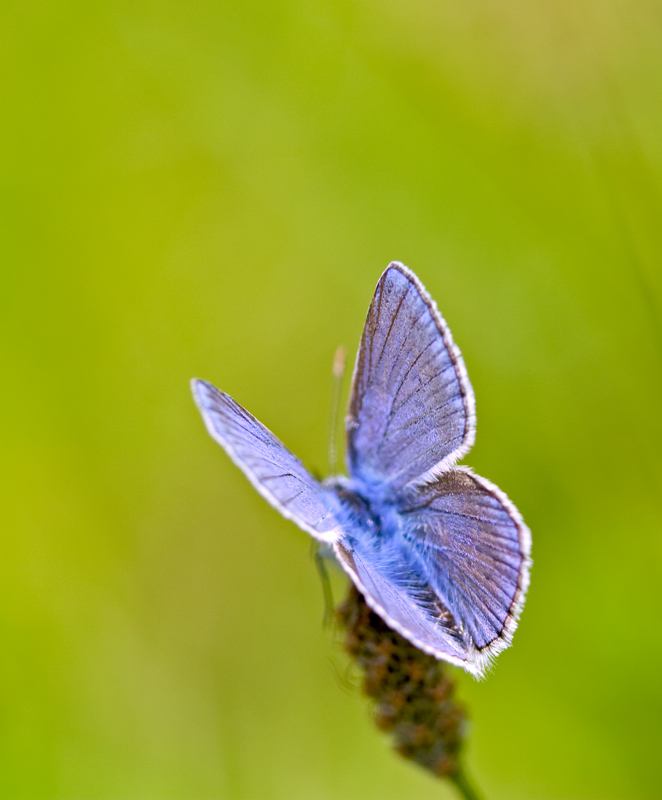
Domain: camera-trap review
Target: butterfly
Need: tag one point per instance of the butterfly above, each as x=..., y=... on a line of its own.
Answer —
x=439, y=553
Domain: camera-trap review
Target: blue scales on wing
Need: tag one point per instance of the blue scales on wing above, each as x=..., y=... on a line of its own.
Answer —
x=412, y=407
x=277, y=474
x=392, y=582
x=475, y=546
x=440, y=554
x=450, y=569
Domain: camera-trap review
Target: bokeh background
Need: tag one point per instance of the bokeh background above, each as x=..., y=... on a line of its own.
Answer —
x=212, y=189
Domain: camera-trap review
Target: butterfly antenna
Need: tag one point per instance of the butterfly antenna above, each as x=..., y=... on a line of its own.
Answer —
x=339, y=361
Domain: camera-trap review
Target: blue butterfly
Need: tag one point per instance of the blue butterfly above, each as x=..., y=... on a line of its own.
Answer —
x=440, y=554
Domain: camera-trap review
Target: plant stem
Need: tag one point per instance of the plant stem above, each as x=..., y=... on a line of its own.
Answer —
x=463, y=785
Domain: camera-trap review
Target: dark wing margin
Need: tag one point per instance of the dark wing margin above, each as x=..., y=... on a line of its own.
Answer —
x=276, y=474
x=412, y=408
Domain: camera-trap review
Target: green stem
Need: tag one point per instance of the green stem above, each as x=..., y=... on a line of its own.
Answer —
x=464, y=787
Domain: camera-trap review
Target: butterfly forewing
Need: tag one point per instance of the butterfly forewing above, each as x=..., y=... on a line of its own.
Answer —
x=272, y=469
x=411, y=408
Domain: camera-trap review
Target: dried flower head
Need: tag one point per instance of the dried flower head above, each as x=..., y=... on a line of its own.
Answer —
x=413, y=692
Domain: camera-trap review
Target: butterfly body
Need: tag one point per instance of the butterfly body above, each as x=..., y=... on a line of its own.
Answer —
x=441, y=554
x=374, y=526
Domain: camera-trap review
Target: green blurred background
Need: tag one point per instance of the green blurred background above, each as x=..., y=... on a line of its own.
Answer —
x=212, y=189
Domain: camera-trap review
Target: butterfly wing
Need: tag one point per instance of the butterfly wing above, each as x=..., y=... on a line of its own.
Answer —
x=269, y=466
x=455, y=584
x=411, y=410
x=404, y=600
x=476, y=548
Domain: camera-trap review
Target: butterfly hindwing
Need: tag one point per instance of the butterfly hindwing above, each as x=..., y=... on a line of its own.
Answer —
x=277, y=474
x=476, y=548
x=400, y=595
x=411, y=408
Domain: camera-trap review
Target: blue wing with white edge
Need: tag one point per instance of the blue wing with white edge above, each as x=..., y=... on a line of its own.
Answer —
x=276, y=474
x=476, y=551
x=411, y=412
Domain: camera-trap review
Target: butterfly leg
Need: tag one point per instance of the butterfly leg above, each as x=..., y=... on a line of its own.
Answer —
x=320, y=554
